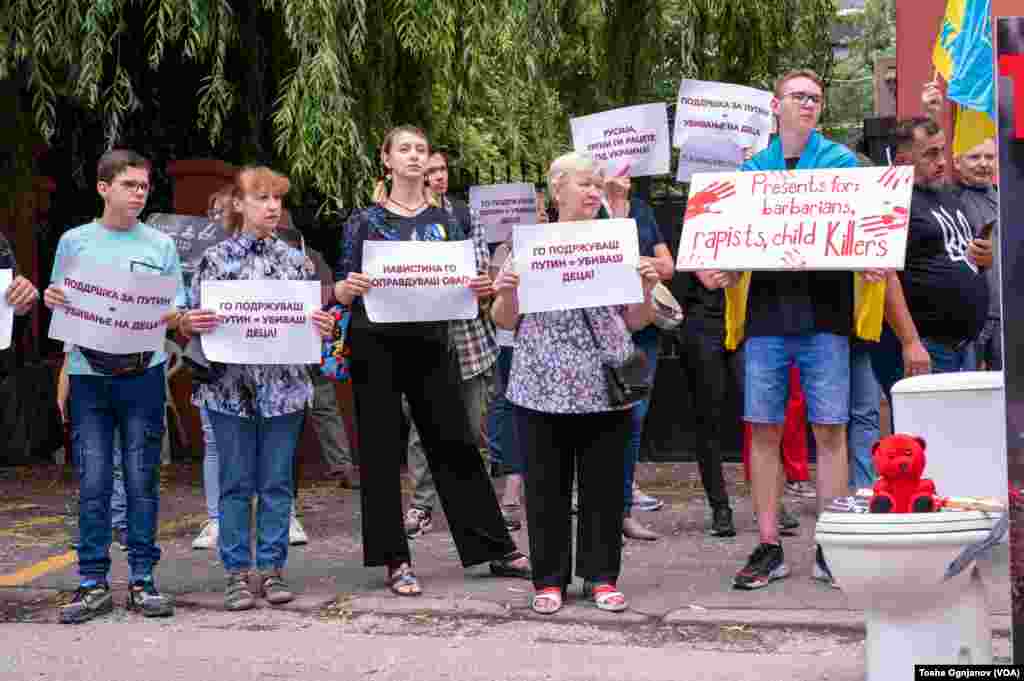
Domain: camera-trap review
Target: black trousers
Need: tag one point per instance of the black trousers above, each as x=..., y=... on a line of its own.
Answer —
x=383, y=368
x=709, y=369
x=559, y=447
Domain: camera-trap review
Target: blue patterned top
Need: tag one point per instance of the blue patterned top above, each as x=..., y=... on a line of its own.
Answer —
x=251, y=390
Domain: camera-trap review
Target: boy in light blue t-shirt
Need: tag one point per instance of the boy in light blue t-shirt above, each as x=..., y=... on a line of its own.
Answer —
x=114, y=392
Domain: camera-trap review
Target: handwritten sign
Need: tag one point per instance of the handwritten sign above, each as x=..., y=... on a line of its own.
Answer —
x=192, y=234
x=500, y=207
x=569, y=265
x=112, y=310
x=6, y=310
x=850, y=219
x=715, y=121
x=262, y=321
x=419, y=281
x=633, y=138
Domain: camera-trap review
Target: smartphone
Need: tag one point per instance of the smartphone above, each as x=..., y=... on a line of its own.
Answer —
x=986, y=231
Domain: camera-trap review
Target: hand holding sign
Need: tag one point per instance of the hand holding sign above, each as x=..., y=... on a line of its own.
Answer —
x=6, y=312
x=353, y=286
x=482, y=286
x=324, y=323
x=21, y=294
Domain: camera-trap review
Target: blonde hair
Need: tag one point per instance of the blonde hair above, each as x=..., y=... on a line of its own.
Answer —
x=567, y=164
x=799, y=73
x=380, y=189
x=248, y=180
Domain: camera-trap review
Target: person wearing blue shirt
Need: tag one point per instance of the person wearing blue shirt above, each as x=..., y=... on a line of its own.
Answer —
x=117, y=392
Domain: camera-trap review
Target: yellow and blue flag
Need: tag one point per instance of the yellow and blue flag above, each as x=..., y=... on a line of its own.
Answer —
x=964, y=56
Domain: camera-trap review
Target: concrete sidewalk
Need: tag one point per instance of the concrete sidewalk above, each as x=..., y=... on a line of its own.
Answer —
x=685, y=578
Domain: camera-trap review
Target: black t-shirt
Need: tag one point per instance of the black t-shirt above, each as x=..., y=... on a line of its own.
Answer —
x=404, y=227
x=796, y=303
x=702, y=303
x=947, y=295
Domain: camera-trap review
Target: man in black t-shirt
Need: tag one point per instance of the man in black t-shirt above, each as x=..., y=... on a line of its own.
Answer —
x=937, y=305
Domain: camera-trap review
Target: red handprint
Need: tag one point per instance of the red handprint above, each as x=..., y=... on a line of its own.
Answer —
x=890, y=222
x=702, y=201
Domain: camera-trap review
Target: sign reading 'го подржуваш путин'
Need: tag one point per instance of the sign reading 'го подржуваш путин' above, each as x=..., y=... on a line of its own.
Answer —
x=850, y=219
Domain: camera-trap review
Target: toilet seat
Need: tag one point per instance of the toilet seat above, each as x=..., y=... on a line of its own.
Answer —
x=943, y=522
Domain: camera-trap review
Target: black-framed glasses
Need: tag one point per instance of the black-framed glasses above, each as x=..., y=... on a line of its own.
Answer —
x=802, y=98
x=133, y=186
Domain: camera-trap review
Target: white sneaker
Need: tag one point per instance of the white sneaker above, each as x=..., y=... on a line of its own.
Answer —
x=207, y=538
x=296, y=535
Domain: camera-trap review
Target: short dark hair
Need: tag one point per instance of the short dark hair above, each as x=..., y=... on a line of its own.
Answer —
x=903, y=137
x=114, y=162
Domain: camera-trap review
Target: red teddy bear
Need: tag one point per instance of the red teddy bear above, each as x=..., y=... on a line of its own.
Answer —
x=899, y=460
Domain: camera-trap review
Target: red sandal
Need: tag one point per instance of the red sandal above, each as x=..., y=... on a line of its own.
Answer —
x=607, y=597
x=547, y=601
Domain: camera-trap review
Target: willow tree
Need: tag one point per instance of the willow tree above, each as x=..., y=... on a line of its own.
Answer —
x=310, y=84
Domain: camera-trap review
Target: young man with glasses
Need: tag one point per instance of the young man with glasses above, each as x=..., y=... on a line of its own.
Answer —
x=117, y=392
x=793, y=318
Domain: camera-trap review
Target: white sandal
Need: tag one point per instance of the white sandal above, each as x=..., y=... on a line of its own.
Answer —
x=608, y=598
x=547, y=601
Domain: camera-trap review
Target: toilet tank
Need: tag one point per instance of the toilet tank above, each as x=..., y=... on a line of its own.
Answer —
x=962, y=417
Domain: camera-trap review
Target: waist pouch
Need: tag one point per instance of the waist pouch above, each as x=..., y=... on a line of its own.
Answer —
x=109, y=364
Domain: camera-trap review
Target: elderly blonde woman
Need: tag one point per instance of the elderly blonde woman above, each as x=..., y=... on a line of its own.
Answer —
x=564, y=422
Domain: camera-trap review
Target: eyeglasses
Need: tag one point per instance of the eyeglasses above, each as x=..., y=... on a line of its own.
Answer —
x=133, y=186
x=802, y=98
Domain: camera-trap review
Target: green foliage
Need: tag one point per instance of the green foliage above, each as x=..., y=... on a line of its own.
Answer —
x=311, y=85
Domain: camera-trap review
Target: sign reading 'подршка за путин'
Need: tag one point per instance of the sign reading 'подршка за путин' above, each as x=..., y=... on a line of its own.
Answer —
x=850, y=219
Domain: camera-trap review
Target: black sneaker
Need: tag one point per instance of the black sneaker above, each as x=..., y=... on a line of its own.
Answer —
x=91, y=600
x=121, y=538
x=765, y=565
x=721, y=523
x=821, y=571
x=144, y=598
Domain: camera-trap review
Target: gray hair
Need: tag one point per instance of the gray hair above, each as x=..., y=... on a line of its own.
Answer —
x=567, y=164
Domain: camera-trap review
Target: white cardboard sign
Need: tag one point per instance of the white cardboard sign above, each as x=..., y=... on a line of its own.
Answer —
x=112, y=310
x=714, y=122
x=849, y=219
x=570, y=265
x=632, y=140
x=263, y=321
x=419, y=281
x=500, y=207
x=6, y=310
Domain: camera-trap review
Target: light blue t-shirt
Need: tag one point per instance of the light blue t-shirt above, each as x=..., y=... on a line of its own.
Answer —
x=139, y=249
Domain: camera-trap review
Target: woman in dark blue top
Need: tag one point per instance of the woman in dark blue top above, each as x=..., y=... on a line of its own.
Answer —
x=653, y=248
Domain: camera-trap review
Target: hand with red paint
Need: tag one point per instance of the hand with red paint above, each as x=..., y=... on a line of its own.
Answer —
x=890, y=222
x=702, y=201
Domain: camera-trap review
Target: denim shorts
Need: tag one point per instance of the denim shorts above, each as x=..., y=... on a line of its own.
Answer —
x=824, y=363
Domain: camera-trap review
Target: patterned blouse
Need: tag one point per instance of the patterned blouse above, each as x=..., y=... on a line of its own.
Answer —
x=251, y=390
x=555, y=367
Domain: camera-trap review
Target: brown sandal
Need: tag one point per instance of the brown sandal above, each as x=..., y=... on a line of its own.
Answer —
x=403, y=582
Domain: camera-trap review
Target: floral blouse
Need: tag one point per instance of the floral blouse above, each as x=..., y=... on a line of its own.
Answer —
x=251, y=390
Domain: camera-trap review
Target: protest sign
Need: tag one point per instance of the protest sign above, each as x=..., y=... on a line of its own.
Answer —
x=112, y=310
x=263, y=321
x=192, y=234
x=499, y=207
x=419, y=281
x=569, y=265
x=850, y=219
x=633, y=139
x=6, y=311
x=715, y=121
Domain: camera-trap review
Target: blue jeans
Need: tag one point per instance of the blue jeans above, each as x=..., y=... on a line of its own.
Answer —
x=119, y=498
x=501, y=436
x=864, y=428
x=255, y=458
x=824, y=363
x=887, y=360
x=646, y=341
x=101, y=406
x=211, y=476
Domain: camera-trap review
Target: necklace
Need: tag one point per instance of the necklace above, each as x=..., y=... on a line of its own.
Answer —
x=411, y=209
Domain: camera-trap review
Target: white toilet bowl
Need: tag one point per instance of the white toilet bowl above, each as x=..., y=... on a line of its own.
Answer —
x=892, y=567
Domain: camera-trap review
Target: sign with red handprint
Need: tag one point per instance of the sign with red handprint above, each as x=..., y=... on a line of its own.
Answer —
x=825, y=219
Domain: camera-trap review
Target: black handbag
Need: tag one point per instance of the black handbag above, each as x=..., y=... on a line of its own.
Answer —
x=626, y=383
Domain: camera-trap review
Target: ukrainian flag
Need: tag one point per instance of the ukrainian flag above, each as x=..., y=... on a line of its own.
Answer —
x=964, y=56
